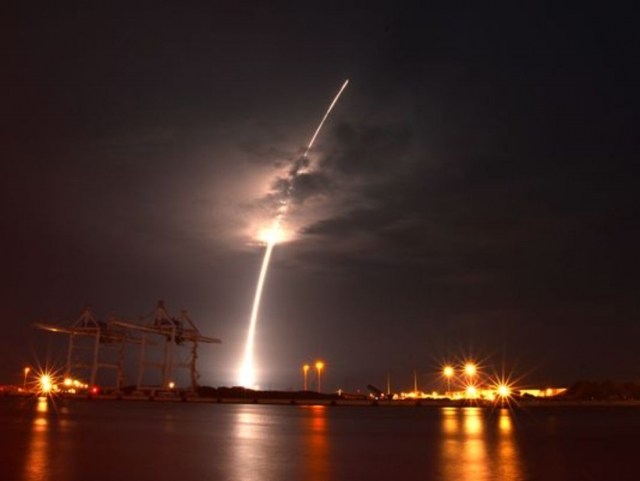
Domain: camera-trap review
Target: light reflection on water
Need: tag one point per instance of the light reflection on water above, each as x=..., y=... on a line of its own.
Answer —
x=316, y=467
x=475, y=449
x=249, y=450
x=37, y=461
x=100, y=441
x=261, y=444
x=510, y=465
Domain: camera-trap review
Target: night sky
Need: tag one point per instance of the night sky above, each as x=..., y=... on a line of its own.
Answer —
x=474, y=192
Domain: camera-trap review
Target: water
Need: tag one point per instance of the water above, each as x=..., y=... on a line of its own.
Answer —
x=119, y=440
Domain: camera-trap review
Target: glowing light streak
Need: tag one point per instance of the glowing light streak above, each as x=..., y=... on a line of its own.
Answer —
x=272, y=236
x=247, y=371
x=335, y=101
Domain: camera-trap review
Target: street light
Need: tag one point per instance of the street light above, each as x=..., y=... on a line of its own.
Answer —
x=319, y=368
x=472, y=392
x=46, y=383
x=503, y=391
x=305, y=375
x=470, y=369
x=448, y=373
x=26, y=373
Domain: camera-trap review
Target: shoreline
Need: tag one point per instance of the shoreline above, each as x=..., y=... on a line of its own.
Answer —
x=293, y=401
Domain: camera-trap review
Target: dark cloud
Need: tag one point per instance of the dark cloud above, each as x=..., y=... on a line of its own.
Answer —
x=307, y=185
x=368, y=150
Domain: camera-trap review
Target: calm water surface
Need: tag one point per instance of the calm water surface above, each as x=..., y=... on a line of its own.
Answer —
x=115, y=440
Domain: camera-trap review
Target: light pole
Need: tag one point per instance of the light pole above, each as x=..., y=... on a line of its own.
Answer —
x=448, y=373
x=305, y=375
x=319, y=368
x=471, y=371
x=26, y=373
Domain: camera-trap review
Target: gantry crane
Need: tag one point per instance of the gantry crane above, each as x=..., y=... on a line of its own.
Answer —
x=176, y=331
x=88, y=338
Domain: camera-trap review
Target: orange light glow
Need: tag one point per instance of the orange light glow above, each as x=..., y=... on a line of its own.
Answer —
x=471, y=392
x=448, y=371
x=319, y=368
x=470, y=369
x=46, y=383
x=503, y=391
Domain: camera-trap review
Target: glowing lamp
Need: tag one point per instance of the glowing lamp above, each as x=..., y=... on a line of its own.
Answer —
x=470, y=369
x=46, y=384
x=472, y=392
x=503, y=391
x=448, y=372
x=319, y=368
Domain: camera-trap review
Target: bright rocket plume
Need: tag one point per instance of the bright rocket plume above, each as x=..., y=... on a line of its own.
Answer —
x=247, y=370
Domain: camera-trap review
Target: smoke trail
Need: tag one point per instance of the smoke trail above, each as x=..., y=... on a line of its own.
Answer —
x=335, y=100
x=247, y=371
x=303, y=162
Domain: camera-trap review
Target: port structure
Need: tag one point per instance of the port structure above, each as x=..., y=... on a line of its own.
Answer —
x=91, y=346
x=176, y=332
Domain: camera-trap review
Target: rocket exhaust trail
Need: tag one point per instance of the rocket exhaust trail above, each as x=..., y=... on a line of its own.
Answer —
x=247, y=371
x=335, y=101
